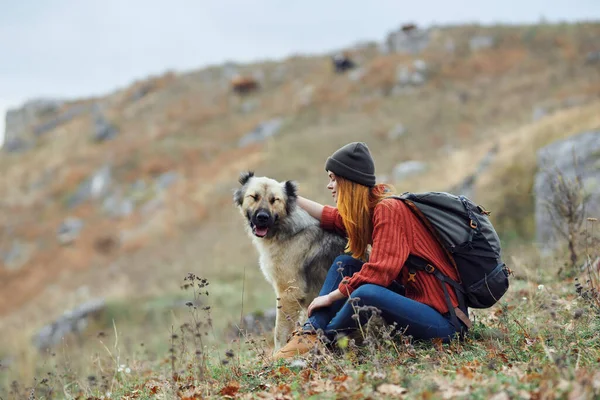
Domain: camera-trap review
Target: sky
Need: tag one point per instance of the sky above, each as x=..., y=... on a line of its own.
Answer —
x=72, y=48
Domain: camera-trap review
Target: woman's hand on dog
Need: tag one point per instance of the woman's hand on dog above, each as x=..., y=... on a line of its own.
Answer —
x=324, y=301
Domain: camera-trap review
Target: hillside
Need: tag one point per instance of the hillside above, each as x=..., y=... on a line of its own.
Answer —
x=151, y=199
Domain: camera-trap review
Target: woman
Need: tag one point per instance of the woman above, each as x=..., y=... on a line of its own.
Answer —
x=366, y=216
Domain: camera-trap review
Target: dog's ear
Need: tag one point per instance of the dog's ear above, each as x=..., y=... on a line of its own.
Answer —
x=291, y=190
x=245, y=177
x=238, y=196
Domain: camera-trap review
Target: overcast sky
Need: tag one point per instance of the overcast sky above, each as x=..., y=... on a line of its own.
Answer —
x=75, y=48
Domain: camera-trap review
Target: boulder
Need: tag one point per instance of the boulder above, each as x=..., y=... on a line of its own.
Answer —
x=16, y=255
x=73, y=322
x=96, y=186
x=103, y=129
x=593, y=57
x=481, y=42
x=163, y=181
x=258, y=323
x=69, y=230
x=559, y=155
x=117, y=206
x=261, y=132
x=409, y=41
x=467, y=185
x=19, y=120
x=63, y=118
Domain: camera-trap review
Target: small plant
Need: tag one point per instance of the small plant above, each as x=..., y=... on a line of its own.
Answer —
x=566, y=206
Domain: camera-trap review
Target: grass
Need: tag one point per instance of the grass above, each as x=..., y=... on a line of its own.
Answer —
x=542, y=340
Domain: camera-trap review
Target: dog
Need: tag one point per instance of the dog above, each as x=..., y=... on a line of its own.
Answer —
x=295, y=253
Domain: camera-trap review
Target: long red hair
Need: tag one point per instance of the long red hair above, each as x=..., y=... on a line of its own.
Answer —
x=355, y=204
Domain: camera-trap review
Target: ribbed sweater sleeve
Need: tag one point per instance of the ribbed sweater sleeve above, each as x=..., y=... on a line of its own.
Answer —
x=331, y=220
x=392, y=241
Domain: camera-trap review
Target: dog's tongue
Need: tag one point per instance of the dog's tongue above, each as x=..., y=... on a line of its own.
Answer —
x=260, y=231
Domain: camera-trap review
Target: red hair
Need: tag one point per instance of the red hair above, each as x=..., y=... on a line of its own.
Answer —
x=355, y=204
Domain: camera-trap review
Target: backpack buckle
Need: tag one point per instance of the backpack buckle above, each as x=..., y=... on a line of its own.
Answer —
x=473, y=224
x=430, y=269
x=411, y=276
x=482, y=210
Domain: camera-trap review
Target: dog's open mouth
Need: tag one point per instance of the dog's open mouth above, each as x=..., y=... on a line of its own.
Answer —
x=260, y=232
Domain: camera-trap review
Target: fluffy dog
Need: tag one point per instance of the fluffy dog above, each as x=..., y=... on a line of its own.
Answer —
x=294, y=252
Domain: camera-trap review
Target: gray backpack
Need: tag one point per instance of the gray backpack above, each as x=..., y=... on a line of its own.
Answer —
x=471, y=243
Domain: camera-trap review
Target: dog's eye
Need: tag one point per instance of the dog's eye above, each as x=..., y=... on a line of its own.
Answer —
x=253, y=196
x=273, y=200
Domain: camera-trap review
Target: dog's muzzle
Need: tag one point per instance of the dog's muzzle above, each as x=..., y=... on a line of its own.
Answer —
x=261, y=222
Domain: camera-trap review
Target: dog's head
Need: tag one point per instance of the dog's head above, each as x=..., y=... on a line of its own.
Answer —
x=264, y=202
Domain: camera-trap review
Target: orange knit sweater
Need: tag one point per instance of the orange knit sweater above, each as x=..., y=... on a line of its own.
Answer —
x=397, y=232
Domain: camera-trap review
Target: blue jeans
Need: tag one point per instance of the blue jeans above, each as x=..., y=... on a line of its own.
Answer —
x=416, y=319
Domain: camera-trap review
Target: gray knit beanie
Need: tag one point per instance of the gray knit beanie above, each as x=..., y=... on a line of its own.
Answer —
x=353, y=162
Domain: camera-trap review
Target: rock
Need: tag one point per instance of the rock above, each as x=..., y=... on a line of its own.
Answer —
x=142, y=91
x=61, y=119
x=262, y=132
x=417, y=78
x=402, y=75
x=103, y=129
x=71, y=323
x=257, y=324
x=481, y=42
x=415, y=75
x=396, y=132
x=411, y=41
x=586, y=147
x=118, y=207
x=593, y=57
x=20, y=120
x=406, y=169
x=163, y=181
x=69, y=230
x=16, y=255
x=96, y=186
x=420, y=65
x=466, y=187
x=15, y=145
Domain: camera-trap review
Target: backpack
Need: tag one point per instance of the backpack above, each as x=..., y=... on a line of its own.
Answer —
x=471, y=244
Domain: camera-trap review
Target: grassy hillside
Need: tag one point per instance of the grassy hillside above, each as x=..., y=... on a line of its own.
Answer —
x=190, y=124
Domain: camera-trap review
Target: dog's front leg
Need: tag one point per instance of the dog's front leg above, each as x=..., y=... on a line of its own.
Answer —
x=288, y=312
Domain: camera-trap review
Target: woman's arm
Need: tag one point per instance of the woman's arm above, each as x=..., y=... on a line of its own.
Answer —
x=313, y=208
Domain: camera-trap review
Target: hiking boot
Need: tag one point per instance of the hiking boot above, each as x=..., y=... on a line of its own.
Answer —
x=301, y=342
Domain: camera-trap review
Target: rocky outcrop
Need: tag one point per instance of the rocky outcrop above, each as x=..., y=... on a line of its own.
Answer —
x=559, y=156
x=467, y=186
x=20, y=120
x=258, y=323
x=405, y=40
x=261, y=132
x=72, y=323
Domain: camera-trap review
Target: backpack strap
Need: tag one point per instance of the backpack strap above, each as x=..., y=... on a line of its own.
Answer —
x=415, y=263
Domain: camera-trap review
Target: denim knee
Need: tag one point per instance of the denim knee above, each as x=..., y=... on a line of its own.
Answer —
x=363, y=291
x=347, y=263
